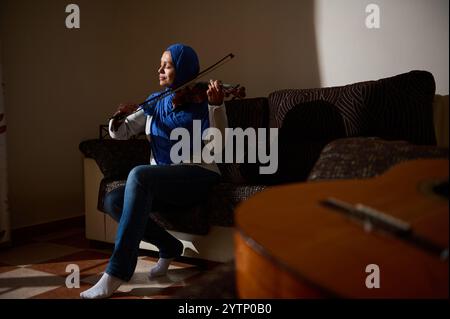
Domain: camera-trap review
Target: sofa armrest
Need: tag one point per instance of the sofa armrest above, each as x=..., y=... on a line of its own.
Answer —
x=94, y=219
x=116, y=158
x=440, y=113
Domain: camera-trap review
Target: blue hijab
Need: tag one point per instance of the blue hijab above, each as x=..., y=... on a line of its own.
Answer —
x=165, y=117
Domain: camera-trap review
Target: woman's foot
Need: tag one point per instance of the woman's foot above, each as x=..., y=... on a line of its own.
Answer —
x=104, y=288
x=160, y=269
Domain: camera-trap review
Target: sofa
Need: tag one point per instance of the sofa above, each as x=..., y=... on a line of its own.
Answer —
x=353, y=131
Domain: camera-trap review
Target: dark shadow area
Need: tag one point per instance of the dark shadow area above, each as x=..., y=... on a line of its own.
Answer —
x=306, y=129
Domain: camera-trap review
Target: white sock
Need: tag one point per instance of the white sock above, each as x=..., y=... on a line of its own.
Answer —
x=160, y=269
x=104, y=288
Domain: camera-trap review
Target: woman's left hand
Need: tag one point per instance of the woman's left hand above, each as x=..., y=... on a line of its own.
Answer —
x=215, y=93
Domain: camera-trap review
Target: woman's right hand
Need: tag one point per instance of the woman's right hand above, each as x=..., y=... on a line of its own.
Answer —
x=125, y=109
x=122, y=112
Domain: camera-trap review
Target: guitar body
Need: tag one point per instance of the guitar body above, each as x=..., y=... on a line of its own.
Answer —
x=288, y=245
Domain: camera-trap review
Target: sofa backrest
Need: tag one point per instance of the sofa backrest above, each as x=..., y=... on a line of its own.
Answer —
x=401, y=108
x=394, y=108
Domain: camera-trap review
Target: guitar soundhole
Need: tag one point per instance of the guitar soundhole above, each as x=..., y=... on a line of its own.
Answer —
x=441, y=189
x=435, y=187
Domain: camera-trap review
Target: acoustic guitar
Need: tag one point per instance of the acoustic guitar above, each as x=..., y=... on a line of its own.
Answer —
x=382, y=237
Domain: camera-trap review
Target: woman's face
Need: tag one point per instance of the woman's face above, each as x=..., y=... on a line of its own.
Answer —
x=166, y=70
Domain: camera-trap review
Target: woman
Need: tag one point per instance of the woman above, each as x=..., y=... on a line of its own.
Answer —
x=176, y=184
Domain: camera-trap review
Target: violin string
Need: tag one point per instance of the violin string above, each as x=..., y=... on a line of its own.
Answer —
x=200, y=75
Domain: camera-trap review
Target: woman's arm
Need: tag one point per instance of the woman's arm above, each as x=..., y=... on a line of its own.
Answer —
x=218, y=117
x=132, y=125
x=218, y=120
x=217, y=114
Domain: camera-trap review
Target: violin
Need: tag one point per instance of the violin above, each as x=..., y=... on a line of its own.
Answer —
x=191, y=91
x=196, y=93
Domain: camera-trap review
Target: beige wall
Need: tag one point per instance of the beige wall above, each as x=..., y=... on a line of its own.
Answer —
x=413, y=34
x=5, y=235
x=61, y=84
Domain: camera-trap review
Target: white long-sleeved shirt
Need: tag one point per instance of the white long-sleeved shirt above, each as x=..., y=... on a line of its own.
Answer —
x=138, y=122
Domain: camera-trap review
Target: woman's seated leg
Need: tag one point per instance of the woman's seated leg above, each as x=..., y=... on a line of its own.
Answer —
x=180, y=185
x=168, y=245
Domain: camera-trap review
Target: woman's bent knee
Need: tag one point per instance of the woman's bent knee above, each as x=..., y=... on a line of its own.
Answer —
x=144, y=175
x=137, y=174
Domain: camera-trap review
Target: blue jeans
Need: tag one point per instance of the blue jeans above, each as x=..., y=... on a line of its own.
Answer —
x=177, y=185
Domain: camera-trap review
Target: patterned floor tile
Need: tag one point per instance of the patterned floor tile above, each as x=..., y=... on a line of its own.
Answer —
x=150, y=259
x=63, y=292
x=175, y=263
x=37, y=269
x=5, y=267
x=141, y=285
x=24, y=282
x=86, y=260
x=181, y=264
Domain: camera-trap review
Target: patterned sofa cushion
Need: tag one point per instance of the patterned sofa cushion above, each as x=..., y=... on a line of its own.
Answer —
x=395, y=108
x=116, y=158
x=349, y=158
x=223, y=200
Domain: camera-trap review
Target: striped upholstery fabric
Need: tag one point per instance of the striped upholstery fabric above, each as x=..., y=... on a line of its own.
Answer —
x=349, y=101
x=394, y=108
x=398, y=107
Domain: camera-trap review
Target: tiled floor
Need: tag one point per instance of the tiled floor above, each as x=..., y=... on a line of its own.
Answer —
x=37, y=269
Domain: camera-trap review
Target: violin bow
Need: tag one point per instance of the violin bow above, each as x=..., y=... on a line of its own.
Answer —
x=162, y=95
